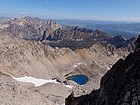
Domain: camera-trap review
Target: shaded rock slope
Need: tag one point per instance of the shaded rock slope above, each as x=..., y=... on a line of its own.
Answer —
x=119, y=86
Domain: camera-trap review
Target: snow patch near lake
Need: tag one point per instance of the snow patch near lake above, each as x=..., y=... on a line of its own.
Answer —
x=35, y=81
x=69, y=86
x=38, y=82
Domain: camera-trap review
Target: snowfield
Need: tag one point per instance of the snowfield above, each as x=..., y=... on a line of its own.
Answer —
x=35, y=81
x=38, y=82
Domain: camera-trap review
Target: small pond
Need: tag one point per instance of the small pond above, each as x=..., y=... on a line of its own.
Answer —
x=79, y=79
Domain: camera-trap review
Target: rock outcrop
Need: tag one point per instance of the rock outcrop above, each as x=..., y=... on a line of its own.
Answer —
x=119, y=86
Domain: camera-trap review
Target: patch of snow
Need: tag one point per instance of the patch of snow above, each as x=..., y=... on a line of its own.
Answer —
x=75, y=65
x=56, y=48
x=69, y=86
x=81, y=63
x=108, y=68
x=35, y=81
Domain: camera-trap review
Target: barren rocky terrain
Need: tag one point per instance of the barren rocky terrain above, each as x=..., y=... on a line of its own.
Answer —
x=25, y=51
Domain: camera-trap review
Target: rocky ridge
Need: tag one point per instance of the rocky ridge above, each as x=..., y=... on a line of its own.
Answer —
x=49, y=32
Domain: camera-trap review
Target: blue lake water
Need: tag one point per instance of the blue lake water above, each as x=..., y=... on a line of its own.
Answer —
x=79, y=79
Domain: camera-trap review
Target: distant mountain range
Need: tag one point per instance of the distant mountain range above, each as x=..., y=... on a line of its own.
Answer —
x=124, y=28
x=73, y=37
x=115, y=28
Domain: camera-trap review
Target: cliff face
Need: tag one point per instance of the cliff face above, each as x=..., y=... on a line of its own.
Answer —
x=119, y=86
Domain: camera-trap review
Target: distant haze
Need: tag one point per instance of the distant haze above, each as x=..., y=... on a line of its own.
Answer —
x=115, y=28
x=125, y=10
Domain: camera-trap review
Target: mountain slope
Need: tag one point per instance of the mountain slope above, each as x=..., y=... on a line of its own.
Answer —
x=21, y=58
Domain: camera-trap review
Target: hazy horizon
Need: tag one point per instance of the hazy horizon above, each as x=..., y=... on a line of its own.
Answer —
x=108, y=10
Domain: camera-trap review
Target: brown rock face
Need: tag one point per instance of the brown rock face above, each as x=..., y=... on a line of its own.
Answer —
x=119, y=86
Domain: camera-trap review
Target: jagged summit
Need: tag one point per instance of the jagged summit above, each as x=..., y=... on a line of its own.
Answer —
x=50, y=22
